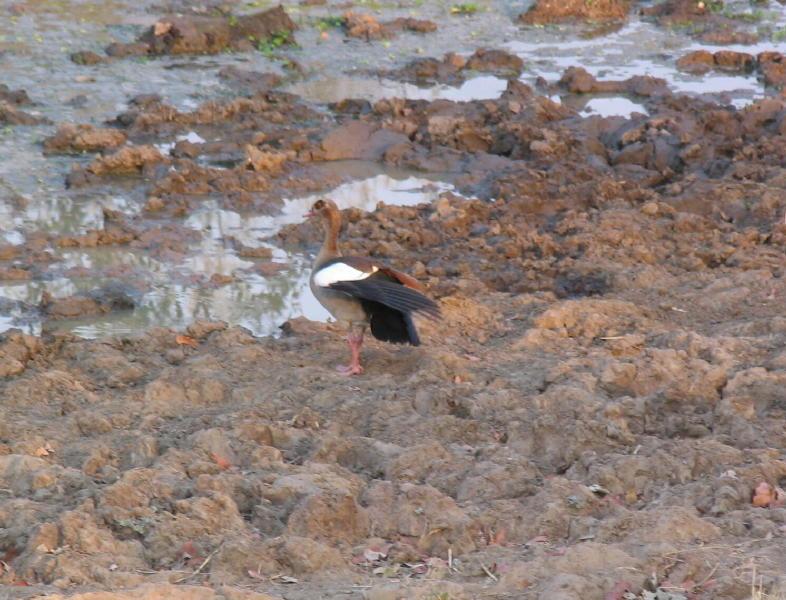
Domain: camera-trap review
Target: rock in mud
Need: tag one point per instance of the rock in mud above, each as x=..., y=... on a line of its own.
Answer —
x=103, y=300
x=699, y=62
x=266, y=161
x=579, y=81
x=86, y=57
x=69, y=307
x=728, y=60
x=16, y=351
x=367, y=27
x=454, y=69
x=771, y=65
x=15, y=97
x=495, y=61
x=11, y=115
x=558, y=11
x=70, y=138
x=678, y=10
x=120, y=50
x=363, y=26
x=773, y=68
x=359, y=140
x=129, y=160
x=210, y=35
x=252, y=81
x=412, y=24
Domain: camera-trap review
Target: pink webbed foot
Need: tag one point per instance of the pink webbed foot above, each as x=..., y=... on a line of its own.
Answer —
x=353, y=368
x=349, y=370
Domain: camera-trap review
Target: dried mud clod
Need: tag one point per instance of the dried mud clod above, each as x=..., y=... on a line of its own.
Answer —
x=367, y=27
x=454, y=68
x=204, y=35
x=770, y=65
x=558, y=11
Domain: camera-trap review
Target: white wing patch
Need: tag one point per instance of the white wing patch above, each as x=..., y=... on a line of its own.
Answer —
x=340, y=272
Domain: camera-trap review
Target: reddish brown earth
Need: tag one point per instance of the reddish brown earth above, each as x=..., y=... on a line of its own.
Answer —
x=454, y=69
x=770, y=65
x=83, y=138
x=599, y=413
x=187, y=34
x=578, y=81
x=593, y=414
x=367, y=27
x=10, y=113
x=557, y=11
x=711, y=21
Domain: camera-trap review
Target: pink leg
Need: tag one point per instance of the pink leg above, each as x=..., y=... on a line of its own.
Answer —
x=355, y=341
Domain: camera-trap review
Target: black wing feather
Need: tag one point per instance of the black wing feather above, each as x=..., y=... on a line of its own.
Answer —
x=390, y=325
x=390, y=294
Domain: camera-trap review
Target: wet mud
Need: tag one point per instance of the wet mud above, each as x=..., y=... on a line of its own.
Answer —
x=599, y=414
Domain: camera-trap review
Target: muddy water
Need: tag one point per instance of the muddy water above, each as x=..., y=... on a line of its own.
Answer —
x=38, y=37
x=177, y=294
x=638, y=48
x=334, y=89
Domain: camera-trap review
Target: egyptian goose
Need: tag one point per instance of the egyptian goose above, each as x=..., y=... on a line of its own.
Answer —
x=364, y=293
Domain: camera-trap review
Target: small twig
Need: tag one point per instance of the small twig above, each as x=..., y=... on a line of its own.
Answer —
x=708, y=577
x=489, y=573
x=450, y=559
x=202, y=566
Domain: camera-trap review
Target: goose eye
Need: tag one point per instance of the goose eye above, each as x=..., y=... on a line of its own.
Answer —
x=319, y=205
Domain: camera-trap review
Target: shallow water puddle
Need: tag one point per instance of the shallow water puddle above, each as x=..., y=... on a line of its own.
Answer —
x=261, y=294
x=218, y=223
x=612, y=106
x=335, y=89
x=588, y=105
x=638, y=48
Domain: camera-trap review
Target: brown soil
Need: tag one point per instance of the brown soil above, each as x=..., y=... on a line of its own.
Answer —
x=202, y=35
x=83, y=138
x=599, y=411
x=557, y=11
x=771, y=65
x=16, y=97
x=707, y=21
x=578, y=81
x=454, y=69
x=11, y=115
x=365, y=26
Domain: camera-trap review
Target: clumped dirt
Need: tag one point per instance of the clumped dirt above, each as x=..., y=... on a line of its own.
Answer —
x=367, y=27
x=770, y=65
x=578, y=81
x=713, y=21
x=10, y=113
x=16, y=97
x=71, y=138
x=454, y=68
x=558, y=11
x=599, y=413
x=202, y=35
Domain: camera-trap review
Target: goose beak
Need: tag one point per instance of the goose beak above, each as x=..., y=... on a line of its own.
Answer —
x=309, y=214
